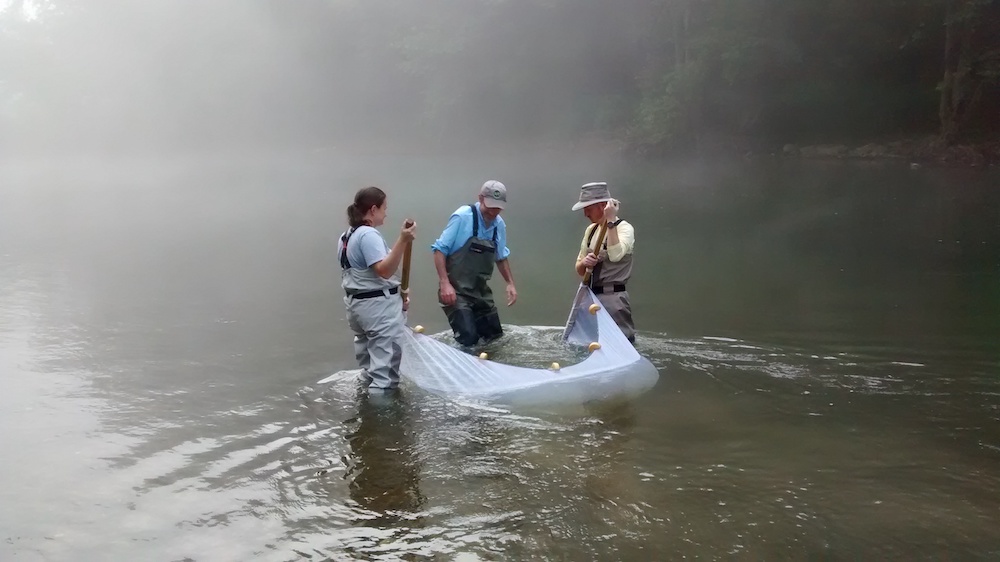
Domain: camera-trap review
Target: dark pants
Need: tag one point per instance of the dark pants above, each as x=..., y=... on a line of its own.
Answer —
x=472, y=319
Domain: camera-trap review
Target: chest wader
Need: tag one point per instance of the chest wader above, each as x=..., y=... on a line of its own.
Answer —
x=608, y=283
x=375, y=315
x=469, y=268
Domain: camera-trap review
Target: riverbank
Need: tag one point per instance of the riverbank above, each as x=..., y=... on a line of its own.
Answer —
x=916, y=150
x=922, y=150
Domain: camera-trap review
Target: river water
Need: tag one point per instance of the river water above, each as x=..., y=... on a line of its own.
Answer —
x=827, y=336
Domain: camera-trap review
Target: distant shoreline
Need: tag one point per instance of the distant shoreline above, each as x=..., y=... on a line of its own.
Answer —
x=915, y=150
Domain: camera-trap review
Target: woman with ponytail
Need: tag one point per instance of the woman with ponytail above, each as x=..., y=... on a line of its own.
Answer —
x=374, y=304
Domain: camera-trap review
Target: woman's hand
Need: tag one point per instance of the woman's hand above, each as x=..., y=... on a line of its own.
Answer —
x=409, y=231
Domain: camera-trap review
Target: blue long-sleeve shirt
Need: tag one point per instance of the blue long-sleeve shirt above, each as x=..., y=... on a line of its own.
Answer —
x=459, y=230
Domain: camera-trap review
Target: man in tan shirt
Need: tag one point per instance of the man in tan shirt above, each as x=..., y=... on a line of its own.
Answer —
x=612, y=263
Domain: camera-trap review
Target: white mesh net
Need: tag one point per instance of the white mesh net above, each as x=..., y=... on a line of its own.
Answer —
x=614, y=369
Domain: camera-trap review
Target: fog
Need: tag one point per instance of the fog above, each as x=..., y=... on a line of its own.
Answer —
x=646, y=76
x=124, y=76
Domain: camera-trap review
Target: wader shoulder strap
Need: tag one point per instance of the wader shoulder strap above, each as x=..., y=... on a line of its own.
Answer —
x=475, y=224
x=590, y=236
x=344, y=238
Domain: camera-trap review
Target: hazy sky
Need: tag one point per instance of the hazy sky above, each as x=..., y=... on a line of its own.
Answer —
x=30, y=9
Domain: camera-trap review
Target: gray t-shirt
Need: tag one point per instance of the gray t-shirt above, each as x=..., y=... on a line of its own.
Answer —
x=366, y=248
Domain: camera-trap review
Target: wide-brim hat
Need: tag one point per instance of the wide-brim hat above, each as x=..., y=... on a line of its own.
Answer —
x=592, y=193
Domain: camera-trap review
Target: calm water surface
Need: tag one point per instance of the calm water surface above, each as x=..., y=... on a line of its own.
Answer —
x=827, y=335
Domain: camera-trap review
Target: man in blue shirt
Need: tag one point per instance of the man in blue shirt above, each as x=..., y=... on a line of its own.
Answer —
x=464, y=254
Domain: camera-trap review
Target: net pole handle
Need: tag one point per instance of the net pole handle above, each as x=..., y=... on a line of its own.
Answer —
x=600, y=241
x=404, y=283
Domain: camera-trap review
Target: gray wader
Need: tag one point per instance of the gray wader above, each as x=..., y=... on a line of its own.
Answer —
x=608, y=283
x=474, y=315
x=375, y=315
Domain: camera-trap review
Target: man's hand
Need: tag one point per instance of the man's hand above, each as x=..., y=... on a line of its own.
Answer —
x=446, y=293
x=511, y=294
x=406, y=300
x=591, y=260
x=611, y=210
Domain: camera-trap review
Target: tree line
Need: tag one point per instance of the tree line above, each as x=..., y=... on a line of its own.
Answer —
x=656, y=75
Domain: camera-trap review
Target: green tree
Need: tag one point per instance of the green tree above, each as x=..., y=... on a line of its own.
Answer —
x=971, y=62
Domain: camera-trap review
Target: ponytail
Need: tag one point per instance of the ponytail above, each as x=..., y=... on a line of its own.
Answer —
x=355, y=217
x=364, y=199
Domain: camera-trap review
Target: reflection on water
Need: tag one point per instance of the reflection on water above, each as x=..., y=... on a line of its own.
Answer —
x=382, y=466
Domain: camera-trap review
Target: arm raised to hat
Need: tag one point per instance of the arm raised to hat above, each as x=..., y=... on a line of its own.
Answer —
x=613, y=237
x=621, y=235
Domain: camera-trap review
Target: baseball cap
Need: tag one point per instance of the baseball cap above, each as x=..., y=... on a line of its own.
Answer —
x=494, y=194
